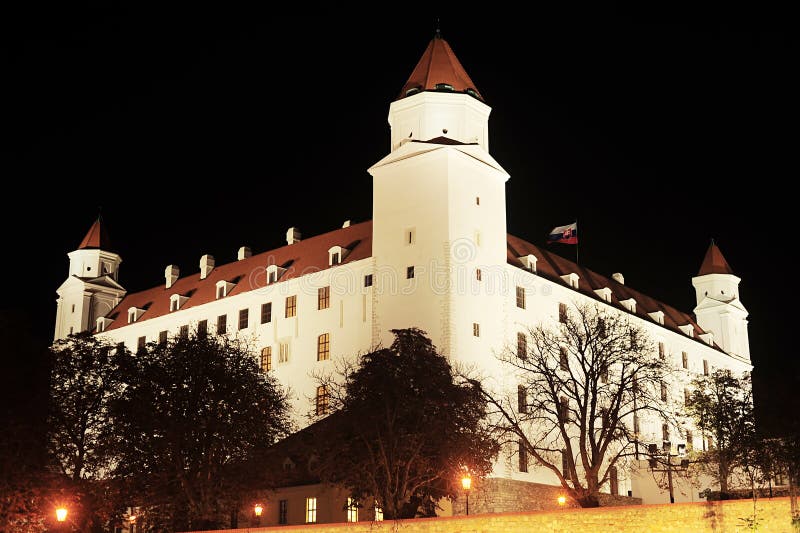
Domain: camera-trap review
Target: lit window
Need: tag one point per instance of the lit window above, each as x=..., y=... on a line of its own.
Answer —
x=522, y=346
x=368, y=280
x=521, y=297
x=311, y=510
x=323, y=297
x=291, y=306
x=322, y=400
x=202, y=328
x=283, y=352
x=476, y=329
x=266, y=313
x=352, y=510
x=266, y=359
x=562, y=313
x=324, y=347
x=409, y=272
x=222, y=324
x=244, y=318
x=685, y=360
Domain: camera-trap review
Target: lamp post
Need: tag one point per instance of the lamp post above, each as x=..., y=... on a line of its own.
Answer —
x=258, y=509
x=466, y=484
x=61, y=514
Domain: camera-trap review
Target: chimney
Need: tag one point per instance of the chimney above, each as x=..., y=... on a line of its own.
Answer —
x=171, y=274
x=292, y=235
x=206, y=265
x=244, y=253
x=619, y=278
x=346, y=224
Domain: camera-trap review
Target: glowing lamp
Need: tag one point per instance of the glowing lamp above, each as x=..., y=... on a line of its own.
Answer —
x=466, y=482
x=61, y=514
x=562, y=500
x=258, y=509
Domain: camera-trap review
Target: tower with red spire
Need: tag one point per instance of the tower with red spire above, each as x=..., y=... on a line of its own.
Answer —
x=92, y=289
x=719, y=309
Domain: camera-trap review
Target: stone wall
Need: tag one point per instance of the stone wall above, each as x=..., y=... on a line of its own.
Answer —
x=499, y=495
x=703, y=517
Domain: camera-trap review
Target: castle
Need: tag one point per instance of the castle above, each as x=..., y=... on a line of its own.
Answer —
x=436, y=255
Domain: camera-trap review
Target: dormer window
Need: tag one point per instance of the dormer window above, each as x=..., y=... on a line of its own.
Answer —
x=657, y=316
x=687, y=329
x=629, y=304
x=274, y=273
x=528, y=262
x=472, y=92
x=224, y=288
x=413, y=90
x=134, y=313
x=336, y=255
x=571, y=279
x=444, y=87
x=103, y=323
x=176, y=301
x=604, y=294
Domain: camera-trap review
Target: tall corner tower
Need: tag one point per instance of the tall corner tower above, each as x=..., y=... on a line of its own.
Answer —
x=439, y=211
x=92, y=288
x=719, y=309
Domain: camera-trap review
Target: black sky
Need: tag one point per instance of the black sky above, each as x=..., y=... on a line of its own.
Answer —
x=201, y=131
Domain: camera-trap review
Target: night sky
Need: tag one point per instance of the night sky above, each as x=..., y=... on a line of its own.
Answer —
x=199, y=132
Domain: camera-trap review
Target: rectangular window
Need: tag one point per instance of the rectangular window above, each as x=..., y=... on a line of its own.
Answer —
x=478, y=274
x=689, y=439
x=120, y=348
x=291, y=306
x=685, y=360
x=368, y=280
x=601, y=328
x=202, y=328
x=563, y=358
x=322, y=400
x=564, y=463
x=563, y=410
x=523, y=457
x=335, y=258
x=522, y=399
x=522, y=346
x=352, y=510
x=220, y=291
x=283, y=508
x=222, y=324
x=162, y=337
x=324, y=347
x=323, y=297
x=173, y=305
x=266, y=313
x=244, y=318
x=266, y=359
x=705, y=367
x=663, y=392
x=636, y=424
x=662, y=350
x=283, y=352
x=521, y=297
x=665, y=432
x=687, y=396
x=614, y=479
x=409, y=272
x=562, y=313
x=476, y=329
x=140, y=343
x=184, y=331
x=603, y=373
x=604, y=418
x=311, y=510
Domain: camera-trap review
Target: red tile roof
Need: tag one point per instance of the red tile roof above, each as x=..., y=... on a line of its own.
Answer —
x=299, y=259
x=552, y=267
x=439, y=64
x=96, y=237
x=714, y=262
x=311, y=255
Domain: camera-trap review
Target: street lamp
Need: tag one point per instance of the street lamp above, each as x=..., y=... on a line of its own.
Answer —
x=258, y=509
x=61, y=514
x=466, y=484
x=562, y=500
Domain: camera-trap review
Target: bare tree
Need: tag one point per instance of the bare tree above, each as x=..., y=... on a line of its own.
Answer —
x=583, y=385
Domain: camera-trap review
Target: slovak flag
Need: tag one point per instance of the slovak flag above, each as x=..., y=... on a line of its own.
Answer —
x=564, y=234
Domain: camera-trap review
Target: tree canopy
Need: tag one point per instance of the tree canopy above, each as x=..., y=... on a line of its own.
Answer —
x=406, y=430
x=583, y=385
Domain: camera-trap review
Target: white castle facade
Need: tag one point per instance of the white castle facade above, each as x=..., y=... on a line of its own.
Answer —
x=436, y=255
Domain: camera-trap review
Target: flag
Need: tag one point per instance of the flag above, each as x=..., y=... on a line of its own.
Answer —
x=564, y=234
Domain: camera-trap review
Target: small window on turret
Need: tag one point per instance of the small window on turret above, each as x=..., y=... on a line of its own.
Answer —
x=413, y=90
x=444, y=87
x=472, y=92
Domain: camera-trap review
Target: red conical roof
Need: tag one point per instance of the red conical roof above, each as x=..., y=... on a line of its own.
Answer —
x=96, y=237
x=714, y=262
x=439, y=65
